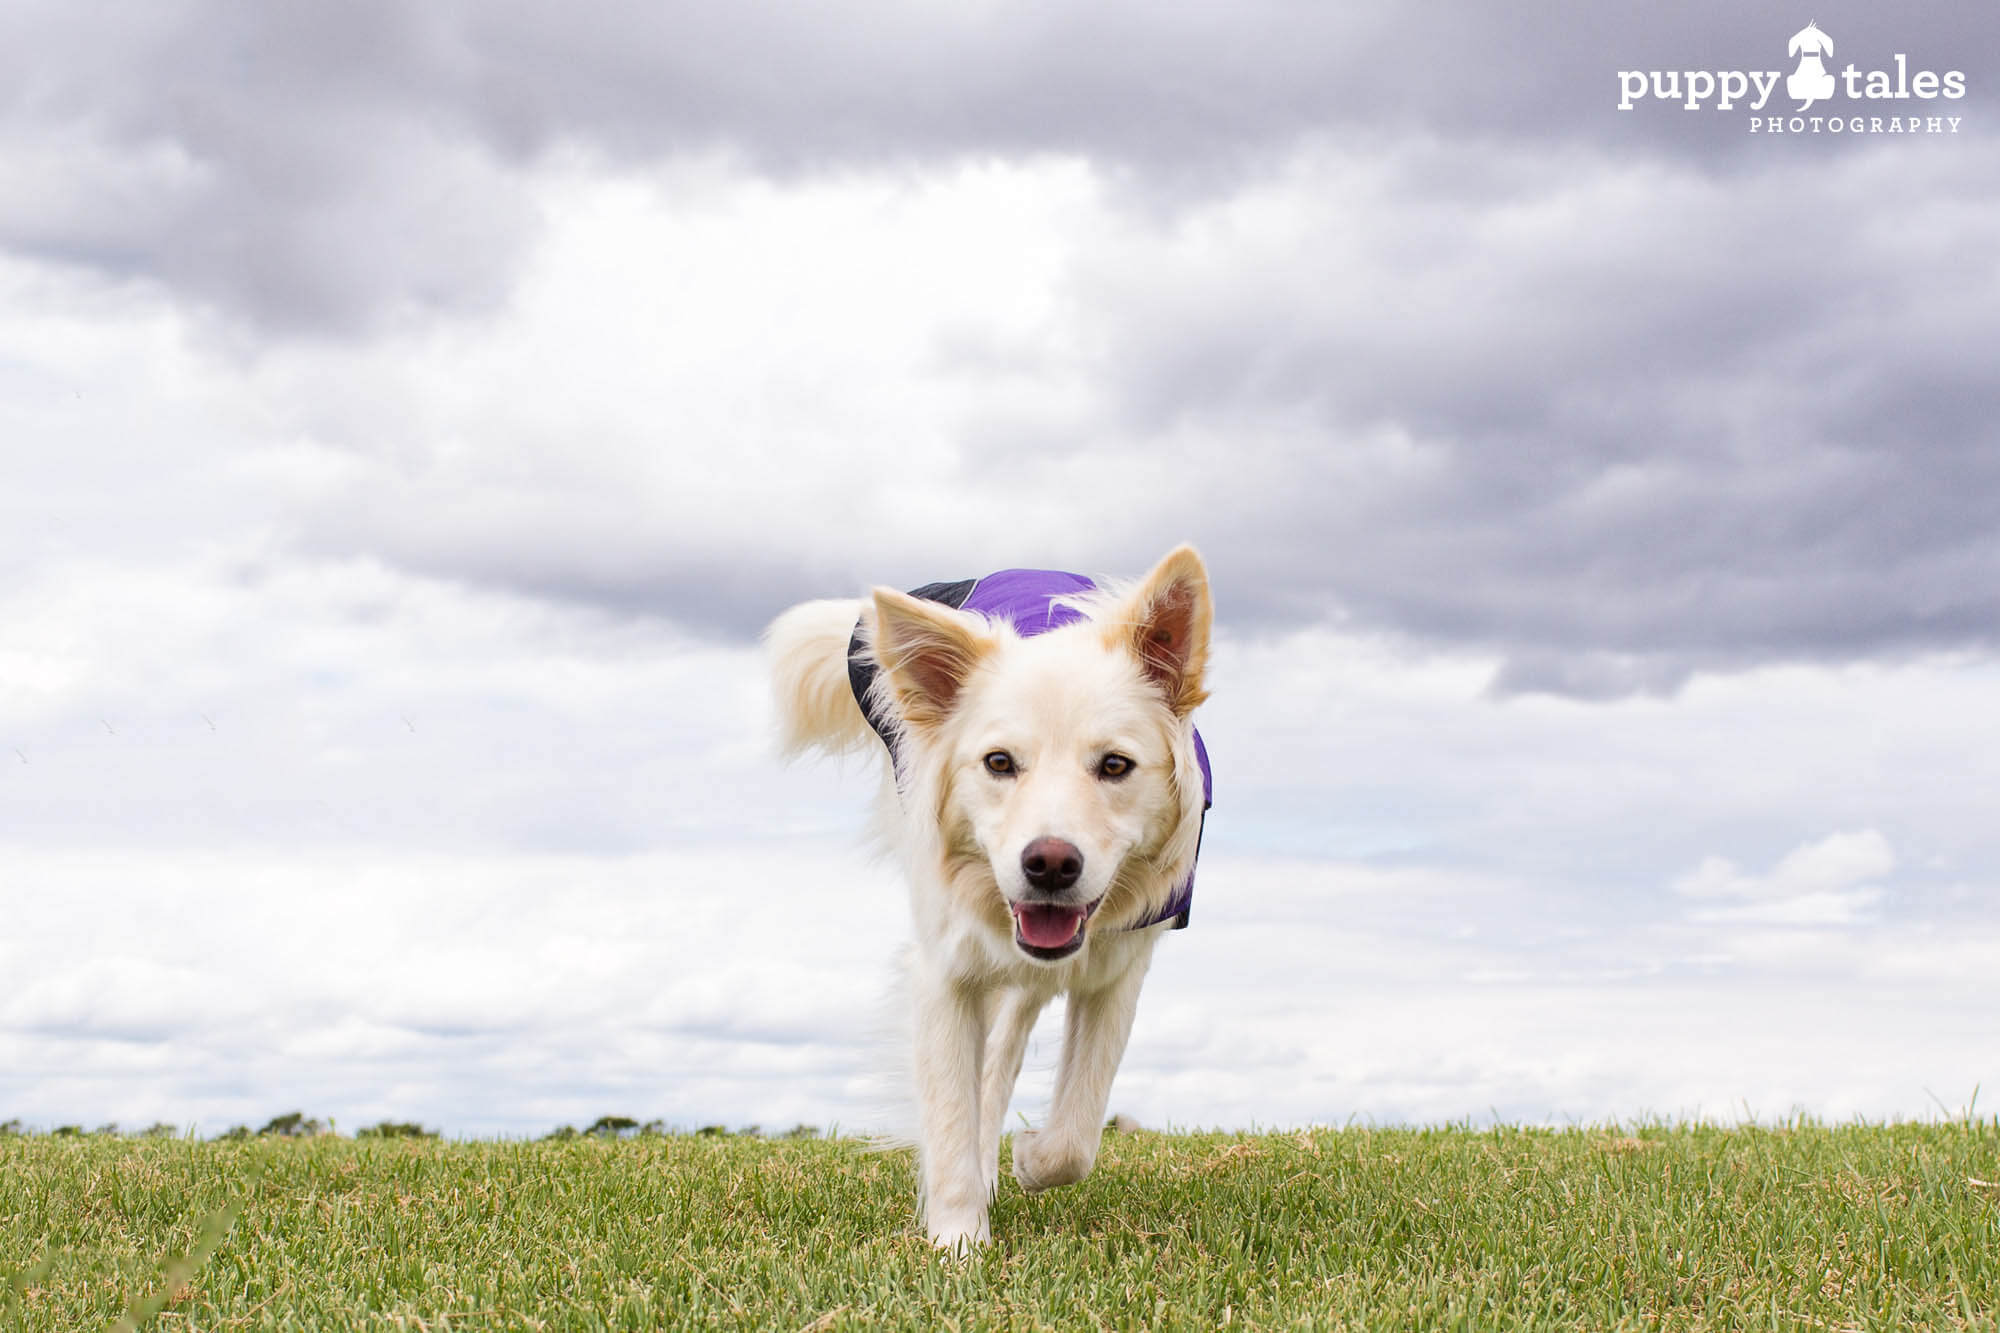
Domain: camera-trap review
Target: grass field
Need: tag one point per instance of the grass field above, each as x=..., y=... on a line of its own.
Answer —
x=1805, y=1227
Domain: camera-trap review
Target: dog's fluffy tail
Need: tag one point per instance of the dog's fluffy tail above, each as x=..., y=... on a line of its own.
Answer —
x=816, y=707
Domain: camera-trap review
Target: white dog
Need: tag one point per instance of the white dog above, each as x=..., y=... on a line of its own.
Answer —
x=1045, y=792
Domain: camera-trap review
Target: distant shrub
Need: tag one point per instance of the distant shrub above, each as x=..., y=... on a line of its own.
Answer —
x=396, y=1129
x=711, y=1131
x=292, y=1125
x=158, y=1130
x=801, y=1132
x=612, y=1126
x=560, y=1134
x=234, y=1133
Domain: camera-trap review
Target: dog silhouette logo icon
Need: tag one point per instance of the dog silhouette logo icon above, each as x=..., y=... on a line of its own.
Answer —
x=1810, y=82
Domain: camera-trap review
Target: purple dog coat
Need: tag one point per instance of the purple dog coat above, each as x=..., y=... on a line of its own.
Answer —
x=1025, y=599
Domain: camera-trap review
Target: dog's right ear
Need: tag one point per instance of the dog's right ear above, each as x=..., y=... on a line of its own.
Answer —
x=929, y=652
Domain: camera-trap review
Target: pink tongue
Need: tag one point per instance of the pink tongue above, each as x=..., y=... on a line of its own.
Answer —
x=1048, y=927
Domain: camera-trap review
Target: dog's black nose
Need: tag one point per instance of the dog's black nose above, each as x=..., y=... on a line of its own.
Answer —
x=1051, y=864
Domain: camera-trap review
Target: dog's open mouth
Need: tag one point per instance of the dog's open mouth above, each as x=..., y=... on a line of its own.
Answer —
x=1050, y=930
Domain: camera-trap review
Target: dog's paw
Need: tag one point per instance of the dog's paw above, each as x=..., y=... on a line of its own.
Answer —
x=1043, y=1163
x=959, y=1233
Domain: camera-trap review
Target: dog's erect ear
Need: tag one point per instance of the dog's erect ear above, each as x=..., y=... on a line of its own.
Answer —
x=929, y=652
x=1165, y=623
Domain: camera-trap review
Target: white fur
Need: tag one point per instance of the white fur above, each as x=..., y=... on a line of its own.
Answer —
x=960, y=689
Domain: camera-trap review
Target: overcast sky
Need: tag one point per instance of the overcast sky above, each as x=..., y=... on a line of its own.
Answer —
x=412, y=412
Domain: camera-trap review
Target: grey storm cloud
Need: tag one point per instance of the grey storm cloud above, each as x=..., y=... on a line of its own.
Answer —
x=1662, y=423
x=291, y=166
x=1615, y=423
x=1671, y=398
x=321, y=168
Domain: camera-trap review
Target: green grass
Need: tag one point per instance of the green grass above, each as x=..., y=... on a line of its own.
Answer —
x=1807, y=1227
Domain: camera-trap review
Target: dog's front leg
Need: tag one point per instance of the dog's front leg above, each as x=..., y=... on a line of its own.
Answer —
x=1014, y=1013
x=1095, y=1029
x=949, y=1036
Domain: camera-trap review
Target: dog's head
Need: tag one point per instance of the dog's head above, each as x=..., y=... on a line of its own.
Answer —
x=1064, y=762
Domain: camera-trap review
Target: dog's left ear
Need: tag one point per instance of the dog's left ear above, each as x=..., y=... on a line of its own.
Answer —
x=1165, y=623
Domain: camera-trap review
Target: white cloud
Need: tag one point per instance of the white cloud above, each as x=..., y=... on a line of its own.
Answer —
x=1834, y=863
x=1820, y=883
x=488, y=984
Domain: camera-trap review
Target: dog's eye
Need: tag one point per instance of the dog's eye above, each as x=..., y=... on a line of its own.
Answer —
x=1114, y=766
x=1000, y=762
